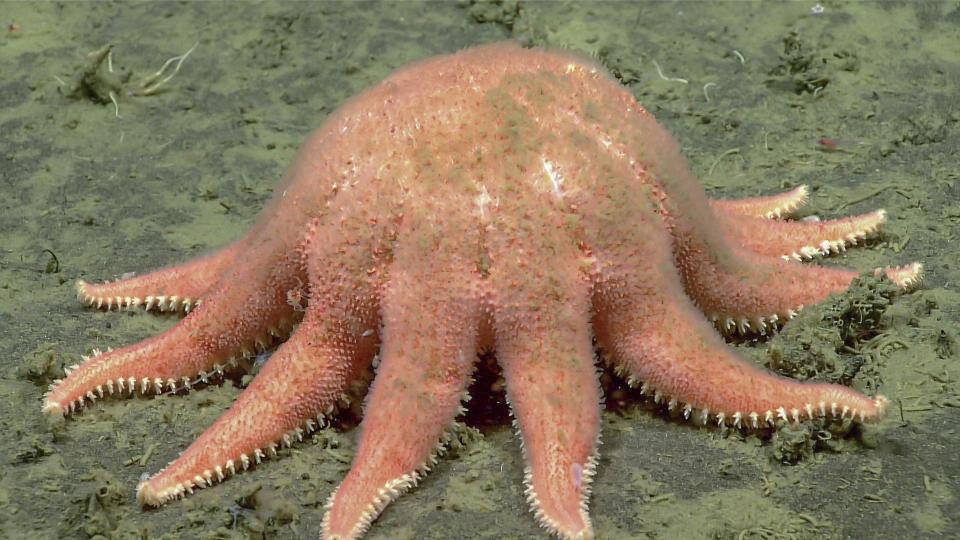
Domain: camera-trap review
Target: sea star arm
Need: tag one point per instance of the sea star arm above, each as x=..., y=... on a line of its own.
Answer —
x=658, y=338
x=541, y=326
x=242, y=313
x=745, y=291
x=801, y=240
x=430, y=319
x=767, y=206
x=304, y=379
x=179, y=287
x=734, y=287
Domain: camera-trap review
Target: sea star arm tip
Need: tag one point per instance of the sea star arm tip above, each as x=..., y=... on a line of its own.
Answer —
x=768, y=206
x=177, y=288
x=907, y=277
x=800, y=240
x=52, y=408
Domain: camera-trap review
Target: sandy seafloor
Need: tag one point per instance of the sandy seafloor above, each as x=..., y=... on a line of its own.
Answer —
x=88, y=194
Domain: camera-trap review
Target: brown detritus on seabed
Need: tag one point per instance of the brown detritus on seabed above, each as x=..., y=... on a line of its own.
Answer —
x=103, y=85
x=832, y=341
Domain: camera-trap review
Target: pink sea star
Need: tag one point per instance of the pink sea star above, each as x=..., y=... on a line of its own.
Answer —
x=501, y=199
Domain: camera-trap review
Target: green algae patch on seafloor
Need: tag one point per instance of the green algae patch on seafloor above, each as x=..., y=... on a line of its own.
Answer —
x=922, y=368
x=737, y=513
x=833, y=340
x=878, y=340
x=929, y=514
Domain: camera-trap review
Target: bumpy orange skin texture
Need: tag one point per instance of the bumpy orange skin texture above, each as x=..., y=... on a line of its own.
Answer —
x=499, y=198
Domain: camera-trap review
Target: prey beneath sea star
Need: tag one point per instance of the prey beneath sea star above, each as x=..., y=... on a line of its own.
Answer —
x=498, y=199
